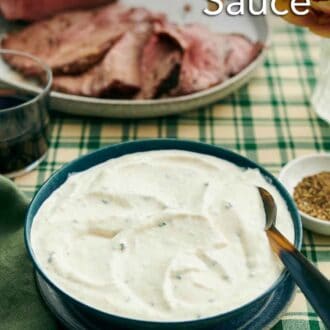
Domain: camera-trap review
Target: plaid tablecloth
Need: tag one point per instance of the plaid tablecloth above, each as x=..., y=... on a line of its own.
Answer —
x=270, y=121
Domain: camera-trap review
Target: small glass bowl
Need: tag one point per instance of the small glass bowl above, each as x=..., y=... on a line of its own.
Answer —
x=24, y=117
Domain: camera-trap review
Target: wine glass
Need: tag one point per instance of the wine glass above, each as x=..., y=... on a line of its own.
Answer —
x=24, y=118
x=318, y=22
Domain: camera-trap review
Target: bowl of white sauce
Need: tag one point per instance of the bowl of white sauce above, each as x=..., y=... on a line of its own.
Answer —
x=163, y=234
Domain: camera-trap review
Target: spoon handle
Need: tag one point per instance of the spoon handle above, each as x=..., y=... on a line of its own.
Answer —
x=311, y=281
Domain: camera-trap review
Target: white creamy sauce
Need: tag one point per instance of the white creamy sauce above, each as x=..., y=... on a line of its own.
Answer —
x=162, y=235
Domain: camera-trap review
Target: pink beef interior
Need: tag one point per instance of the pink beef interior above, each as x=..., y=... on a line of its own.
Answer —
x=119, y=52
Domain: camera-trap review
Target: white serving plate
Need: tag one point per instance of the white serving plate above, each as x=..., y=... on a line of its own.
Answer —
x=298, y=169
x=256, y=28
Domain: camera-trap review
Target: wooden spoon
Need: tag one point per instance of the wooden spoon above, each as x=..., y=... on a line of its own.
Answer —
x=314, y=285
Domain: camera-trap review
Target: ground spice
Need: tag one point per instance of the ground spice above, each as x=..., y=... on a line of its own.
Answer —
x=187, y=8
x=312, y=195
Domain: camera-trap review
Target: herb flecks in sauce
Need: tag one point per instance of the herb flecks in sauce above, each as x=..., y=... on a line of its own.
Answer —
x=50, y=257
x=133, y=248
x=228, y=205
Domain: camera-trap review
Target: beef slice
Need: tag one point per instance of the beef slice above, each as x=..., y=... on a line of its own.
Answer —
x=73, y=42
x=118, y=75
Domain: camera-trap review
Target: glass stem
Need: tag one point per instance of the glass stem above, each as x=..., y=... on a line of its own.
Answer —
x=321, y=95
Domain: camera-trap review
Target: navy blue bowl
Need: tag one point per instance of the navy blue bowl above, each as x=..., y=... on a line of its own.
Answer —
x=230, y=320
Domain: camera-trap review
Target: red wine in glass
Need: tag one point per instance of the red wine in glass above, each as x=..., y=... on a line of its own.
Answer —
x=24, y=131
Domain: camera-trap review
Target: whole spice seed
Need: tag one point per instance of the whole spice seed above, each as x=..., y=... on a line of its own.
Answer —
x=187, y=8
x=312, y=195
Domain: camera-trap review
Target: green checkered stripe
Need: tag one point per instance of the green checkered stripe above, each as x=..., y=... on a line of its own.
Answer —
x=270, y=121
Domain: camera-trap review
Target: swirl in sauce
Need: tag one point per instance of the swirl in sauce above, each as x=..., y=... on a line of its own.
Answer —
x=161, y=235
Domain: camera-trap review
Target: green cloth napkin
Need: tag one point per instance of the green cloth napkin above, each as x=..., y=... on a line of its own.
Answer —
x=20, y=304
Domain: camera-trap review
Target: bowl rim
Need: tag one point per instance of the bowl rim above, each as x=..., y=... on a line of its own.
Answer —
x=284, y=173
x=130, y=147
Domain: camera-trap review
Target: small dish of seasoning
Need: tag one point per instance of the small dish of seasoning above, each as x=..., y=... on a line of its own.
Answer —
x=308, y=180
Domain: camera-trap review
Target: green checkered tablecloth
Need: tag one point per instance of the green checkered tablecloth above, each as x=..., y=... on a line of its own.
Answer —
x=270, y=121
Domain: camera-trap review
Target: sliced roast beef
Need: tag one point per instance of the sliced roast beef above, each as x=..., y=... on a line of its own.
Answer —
x=46, y=38
x=117, y=75
x=165, y=29
x=33, y=10
x=241, y=52
x=211, y=58
x=203, y=63
x=160, y=65
x=90, y=44
x=121, y=67
x=78, y=55
x=115, y=51
x=76, y=85
x=73, y=43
